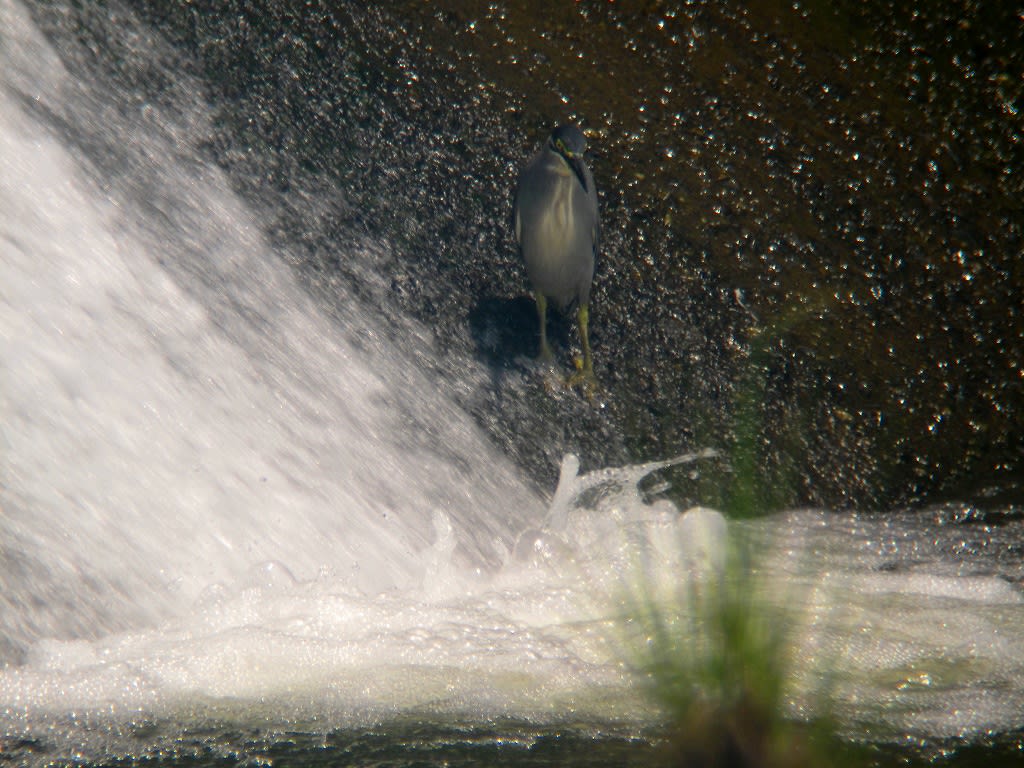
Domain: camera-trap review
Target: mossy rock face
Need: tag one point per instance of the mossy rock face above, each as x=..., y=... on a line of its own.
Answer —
x=812, y=223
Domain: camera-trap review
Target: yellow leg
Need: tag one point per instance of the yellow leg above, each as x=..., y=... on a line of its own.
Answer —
x=542, y=316
x=583, y=320
x=585, y=370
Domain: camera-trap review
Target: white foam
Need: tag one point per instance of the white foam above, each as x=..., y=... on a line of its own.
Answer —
x=532, y=641
x=975, y=589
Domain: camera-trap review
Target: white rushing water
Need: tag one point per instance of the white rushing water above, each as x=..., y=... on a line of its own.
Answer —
x=175, y=409
x=212, y=502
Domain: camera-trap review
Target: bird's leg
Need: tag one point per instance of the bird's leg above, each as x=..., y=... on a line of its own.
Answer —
x=583, y=320
x=585, y=373
x=542, y=315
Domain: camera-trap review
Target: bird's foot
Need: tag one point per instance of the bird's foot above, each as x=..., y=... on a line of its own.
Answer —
x=584, y=378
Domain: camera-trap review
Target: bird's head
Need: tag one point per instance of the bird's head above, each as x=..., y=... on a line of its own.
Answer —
x=569, y=142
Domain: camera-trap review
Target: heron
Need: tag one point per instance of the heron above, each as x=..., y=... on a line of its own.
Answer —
x=557, y=228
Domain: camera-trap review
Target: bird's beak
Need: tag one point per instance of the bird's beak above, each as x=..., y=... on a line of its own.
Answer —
x=576, y=163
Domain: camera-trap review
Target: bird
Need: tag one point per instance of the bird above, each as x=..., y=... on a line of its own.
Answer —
x=556, y=221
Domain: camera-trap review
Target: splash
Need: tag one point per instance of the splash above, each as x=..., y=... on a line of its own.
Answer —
x=175, y=409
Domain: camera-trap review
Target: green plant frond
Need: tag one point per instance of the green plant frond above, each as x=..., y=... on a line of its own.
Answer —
x=716, y=656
